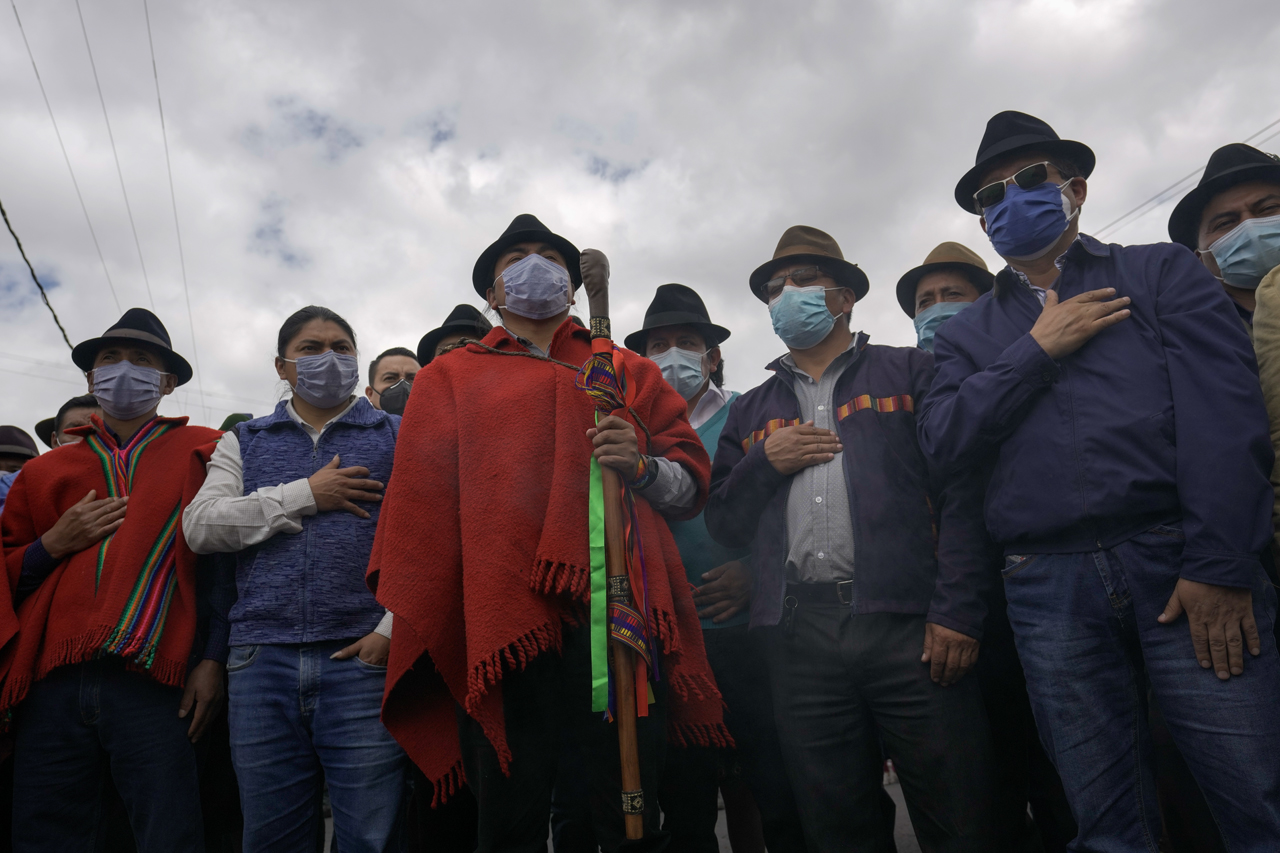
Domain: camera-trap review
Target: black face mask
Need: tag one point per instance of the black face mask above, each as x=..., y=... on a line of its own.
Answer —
x=395, y=398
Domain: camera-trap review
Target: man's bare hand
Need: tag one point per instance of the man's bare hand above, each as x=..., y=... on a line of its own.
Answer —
x=84, y=525
x=1063, y=328
x=725, y=592
x=795, y=447
x=373, y=649
x=335, y=488
x=1221, y=622
x=616, y=446
x=949, y=654
x=207, y=692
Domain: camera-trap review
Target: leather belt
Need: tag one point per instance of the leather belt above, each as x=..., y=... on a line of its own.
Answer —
x=840, y=592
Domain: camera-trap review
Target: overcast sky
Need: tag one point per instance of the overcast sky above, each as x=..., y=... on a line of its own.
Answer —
x=361, y=155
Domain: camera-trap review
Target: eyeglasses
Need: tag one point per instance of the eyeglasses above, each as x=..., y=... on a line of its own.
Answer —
x=1027, y=177
x=799, y=277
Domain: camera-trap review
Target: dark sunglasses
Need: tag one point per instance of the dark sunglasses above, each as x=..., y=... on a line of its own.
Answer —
x=799, y=277
x=1028, y=177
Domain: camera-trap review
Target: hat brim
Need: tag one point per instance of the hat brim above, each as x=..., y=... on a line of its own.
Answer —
x=1184, y=222
x=482, y=276
x=44, y=432
x=18, y=450
x=846, y=274
x=713, y=334
x=86, y=351
x=980, y=278
x=431, y=340
x=1080, y=155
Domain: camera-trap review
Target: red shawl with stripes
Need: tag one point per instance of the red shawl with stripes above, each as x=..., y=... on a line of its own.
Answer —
x=482, y=550
x=133, y=595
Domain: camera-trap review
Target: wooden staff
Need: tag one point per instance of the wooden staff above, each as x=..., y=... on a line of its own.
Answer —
x=595, y=267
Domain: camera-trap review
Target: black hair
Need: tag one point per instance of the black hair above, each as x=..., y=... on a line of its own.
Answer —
x=302, y=317
x=84, y=401
x=717, y=375
x=373, y=365
x=1066, y=168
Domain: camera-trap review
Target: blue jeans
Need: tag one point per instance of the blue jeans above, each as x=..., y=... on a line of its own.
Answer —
x=1087, y=634
x=299, y=719
x=75, y=721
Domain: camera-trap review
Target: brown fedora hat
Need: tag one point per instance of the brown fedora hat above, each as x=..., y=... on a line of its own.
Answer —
x=944, y=256
x=802, y=243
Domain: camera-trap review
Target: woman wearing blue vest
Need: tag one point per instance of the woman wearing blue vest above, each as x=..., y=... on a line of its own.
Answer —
x=679, y=337
x=295, y=496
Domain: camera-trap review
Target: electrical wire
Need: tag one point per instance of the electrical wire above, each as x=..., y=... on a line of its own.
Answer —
x=173, y=199
x=43, y=295
x=1163, y=196
x=119, y=172
x=67, y=159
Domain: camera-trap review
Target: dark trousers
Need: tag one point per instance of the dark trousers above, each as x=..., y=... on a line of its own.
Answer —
x=448, y=828
x=548, y=701
x=1023, y=773
x=73, y=724
x=838, y=680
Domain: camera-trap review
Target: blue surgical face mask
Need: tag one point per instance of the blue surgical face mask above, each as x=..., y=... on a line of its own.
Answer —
x=928, y=321
x=683, y=370
x=535, y=287
x=1027, y=223
x=327, y=380
x=126, y=390
x=801, y=317
x=1246, y=253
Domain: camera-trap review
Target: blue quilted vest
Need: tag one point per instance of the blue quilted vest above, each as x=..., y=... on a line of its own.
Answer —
x=309, y=587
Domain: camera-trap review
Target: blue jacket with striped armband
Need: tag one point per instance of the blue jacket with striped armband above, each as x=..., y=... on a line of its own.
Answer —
x=1156, y=418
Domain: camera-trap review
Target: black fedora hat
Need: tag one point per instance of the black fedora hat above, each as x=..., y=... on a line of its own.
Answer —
x=1011, y=132
x=16, y=442
x=44, y=431
x=463, y=319
x=944, y=256
x=676, y=305
x=803, y=243
x=1229, y=165
x=137, y=325
x=525, y=228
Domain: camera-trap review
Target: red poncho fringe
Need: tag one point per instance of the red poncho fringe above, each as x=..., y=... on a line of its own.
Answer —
x=482, y=551
x=140, y=602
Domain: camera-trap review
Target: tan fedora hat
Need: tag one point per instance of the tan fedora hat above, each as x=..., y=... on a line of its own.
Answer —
x=803, y=243
x=944, y=256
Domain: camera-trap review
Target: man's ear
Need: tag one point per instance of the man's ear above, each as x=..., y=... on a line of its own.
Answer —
x=491, y=296
x=1079, y=189
x=713, y=358
x=88, y=378
x=168, y=384
x=982, y=220
x=368, y=392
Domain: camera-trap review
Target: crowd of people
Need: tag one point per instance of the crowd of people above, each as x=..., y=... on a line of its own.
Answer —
x=1026, y=565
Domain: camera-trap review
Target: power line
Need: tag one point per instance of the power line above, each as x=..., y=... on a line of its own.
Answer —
x=1162, y=196
x=116, y=155
x=40, y=286
x=173, y=199
x=72, y=172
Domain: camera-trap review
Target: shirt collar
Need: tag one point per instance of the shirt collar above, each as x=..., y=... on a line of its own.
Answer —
x=297, y=419
x=839, y=362
x=713, y=400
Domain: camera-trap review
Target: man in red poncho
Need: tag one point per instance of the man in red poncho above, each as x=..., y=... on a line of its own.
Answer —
x=484, y=554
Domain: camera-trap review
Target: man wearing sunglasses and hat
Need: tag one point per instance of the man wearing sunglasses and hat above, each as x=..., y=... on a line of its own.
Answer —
x=108, y=605
x=1094, y=382
x=483, y=552
x=870, y=620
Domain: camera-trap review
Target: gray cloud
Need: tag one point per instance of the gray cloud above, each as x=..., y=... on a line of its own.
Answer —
x=361, y=156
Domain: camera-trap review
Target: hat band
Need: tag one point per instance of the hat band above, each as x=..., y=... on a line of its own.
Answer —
x=135, y=334
x=17, y=450
x=805, y=250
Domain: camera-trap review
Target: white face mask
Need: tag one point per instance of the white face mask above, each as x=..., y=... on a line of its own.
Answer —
x=684, y=371
x=535, y=287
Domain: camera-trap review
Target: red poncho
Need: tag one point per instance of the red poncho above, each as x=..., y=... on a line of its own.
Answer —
x=482, y=549
x=132, y=595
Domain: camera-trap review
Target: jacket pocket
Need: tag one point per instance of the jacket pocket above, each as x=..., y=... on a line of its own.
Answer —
x=241, y=657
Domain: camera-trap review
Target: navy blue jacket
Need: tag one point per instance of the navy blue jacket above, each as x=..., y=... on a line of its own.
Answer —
x=896, y=503
x=1156, y=418
x=310, y=587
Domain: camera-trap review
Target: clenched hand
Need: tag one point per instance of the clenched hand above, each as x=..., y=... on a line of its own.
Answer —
x=1221, y=622
x=949, y=654
x=795, y=447
x=616, y=446
x=336, y=488
x=1064, y=327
